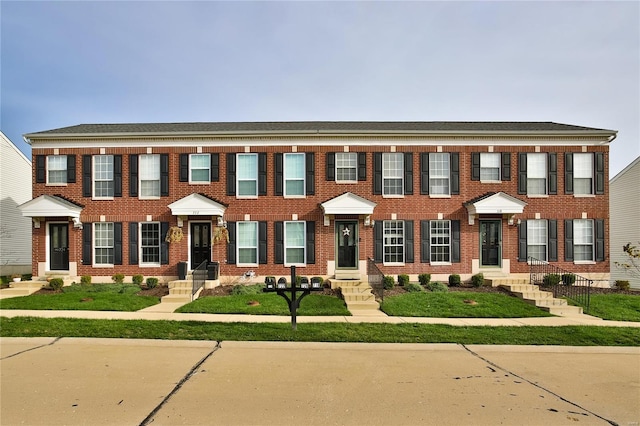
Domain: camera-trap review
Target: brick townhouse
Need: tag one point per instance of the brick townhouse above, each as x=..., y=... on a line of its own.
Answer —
x=417, y=197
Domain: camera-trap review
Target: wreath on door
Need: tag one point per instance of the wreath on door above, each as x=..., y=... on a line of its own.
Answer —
x=174, y=235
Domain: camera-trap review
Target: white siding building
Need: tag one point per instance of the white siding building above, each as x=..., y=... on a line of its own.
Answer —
x=15, y=189
x=624, y=200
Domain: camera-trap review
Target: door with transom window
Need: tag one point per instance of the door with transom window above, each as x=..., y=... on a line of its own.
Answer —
x=490, y=242
x=346, y=244
x=59, y=246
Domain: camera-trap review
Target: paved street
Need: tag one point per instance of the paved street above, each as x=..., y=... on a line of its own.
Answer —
x=48, y=381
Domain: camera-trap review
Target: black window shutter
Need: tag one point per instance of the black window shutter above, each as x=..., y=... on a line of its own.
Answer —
x=164, y=175
x=311, y=173
x=455, y=241
x=599, y=240
x=231, y=245
x=133, y=243
x=552, y=231
x=231, y=174
x=424, y=241
x=133, y=178
x=164, y=245
x=599, y=169
x=377, y=173
x=454, y=157
x=424, y=173
x=506, y=166
x=522, y=241
x=311, y=243
x=568, y=173
x=409, y=256
x=262, y=173
x=86, y=175
x=568, y=240
x=262, y=242
x=41, y=168
x=408, y=173
x=279, y=239
x=378, y=241
x=331, y=166
x=475, y=166
x=117, y=175
x=184, y=168
x=71, y=169
x=117, y=243
x=553, y=173
x=278, y=164
x=362, y=166
x=522, y=173
x=215, y=167
x=87, y=235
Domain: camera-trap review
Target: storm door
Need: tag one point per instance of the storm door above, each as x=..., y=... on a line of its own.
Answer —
x=200, y=243
x=347, y=245
x=59, y=246
x=490, y=242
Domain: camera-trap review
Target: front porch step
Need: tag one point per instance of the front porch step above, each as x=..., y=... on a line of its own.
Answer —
x=358, y=297
x=497, y=282
x=22, y=288
x=542, y=299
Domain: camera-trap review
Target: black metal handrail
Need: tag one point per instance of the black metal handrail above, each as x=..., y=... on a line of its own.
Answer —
x=199, y=276
x=376, y=279
x=561, y=282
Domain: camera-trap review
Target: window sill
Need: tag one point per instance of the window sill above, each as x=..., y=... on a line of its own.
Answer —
x=393, y=196
x=149, y=265
x=148, y=198
x=295, y=196
x=297, y=265
x=102, y=198
x=247, y=265
x=440, y=196
x=200, y=183
x=584, y=195
x=103, y=266
x=246, y=197
x=440, y=263
x=584, y=262
x=537, y=196
x=347, y=182
x=393, y=263
x=490, y=181
x=56, y=184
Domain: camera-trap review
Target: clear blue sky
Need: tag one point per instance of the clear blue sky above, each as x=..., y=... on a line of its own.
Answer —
x=70, y=62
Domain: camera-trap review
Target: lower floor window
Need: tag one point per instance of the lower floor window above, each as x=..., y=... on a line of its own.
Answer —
x=537, y=239
x=440, y=235
x=247, y=242
x=583, y=239
x=294, y=242
x=150, y=243
x=393, y=241
x=103, y=243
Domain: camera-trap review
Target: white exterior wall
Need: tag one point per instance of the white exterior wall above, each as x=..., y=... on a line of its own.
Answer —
x=15, y=189
x=624, y=203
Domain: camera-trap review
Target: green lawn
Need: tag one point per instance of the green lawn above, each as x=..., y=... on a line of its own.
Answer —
x=617, y=307
x=452, y=305
x=269, y=304
x=320, y=332
x=95, y=297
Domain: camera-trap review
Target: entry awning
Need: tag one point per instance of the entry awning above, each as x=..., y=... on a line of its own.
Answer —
x=51, y=206
x=494, y=203
x=348, y=203
x=196, y=205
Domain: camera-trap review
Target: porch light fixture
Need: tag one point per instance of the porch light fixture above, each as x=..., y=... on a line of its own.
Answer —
x=367, y=220
x=222, y=222
x=36, y=222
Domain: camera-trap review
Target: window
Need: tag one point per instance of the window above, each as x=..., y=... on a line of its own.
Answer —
x=150, y=243
x=103, y=243
x=247, y=175
x=536, y=174
x=537, y=239
x=582, y=174
x=439, y=174
x=294, y=243
x=150, y=176
x=490, y=164
x=393, y=241
x=583, y=239
x=294, y=172
x=346, y=166
x=199, y=168
x=56, y=169
x=392, y=173
x=440, y=234
x=103, y=176
x=247, y=243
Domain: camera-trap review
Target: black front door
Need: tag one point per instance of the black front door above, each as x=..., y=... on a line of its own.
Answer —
x=347, y=245
x=59, y=246
x=490, y=241
x=200, y=243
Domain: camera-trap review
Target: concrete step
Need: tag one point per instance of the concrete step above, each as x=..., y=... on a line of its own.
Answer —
x=495, y=282
x=176, y=298
x=337, y=283
x=363, y=306
x=180, y=284
x=358, y=298
x=513, y=287
x=563, y=311
x=22, y=288
x=550, y=302
x=180, y=291
x=535, y=295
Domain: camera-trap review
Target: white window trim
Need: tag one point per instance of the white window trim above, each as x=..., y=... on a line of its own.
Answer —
x=200, y=182
x=387, y=177
x=546, y=175
x=47, y=169
x=546, y=240
x=256, y=180
x=499, y=180
x=93, y=177
x=385, y=263
x=93, y=247
x=431, y=194
x=284, y=176
x=591, y=261
x=347, y=181
x=148, y=197
x=432, y=245
x=304, y=244
x=149, y=265
x=257, y=247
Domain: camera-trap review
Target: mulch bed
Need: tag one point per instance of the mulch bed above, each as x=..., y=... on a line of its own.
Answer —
x=159, y=291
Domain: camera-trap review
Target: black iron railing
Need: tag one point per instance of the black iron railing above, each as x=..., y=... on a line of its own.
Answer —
x=198, y=278
x=376, y=279
x=561, y=282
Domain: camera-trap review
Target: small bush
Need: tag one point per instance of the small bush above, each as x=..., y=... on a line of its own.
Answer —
x=85, y=279
x=477, y=280
x=424, y=278
x=27, y=277
x=56, y=283
x=388, y=282
x=240, y=289
x=437, y=287
x=454, y=280
x=152, y=282
x=551, y=279
x=568, y=279
x=413, y=287
x=117, y=278
x=137, y=279
x=403, y=279
x=622, y=285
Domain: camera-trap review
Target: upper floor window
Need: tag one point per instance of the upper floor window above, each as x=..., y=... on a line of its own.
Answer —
x=103, y=241
x=392, y=173
x=490, y=164
x=294, y=243
x=103, y=185
x=247, y=175
x=199, y=168
x=346, y=167
x=150, y=243
x=440, y=235
x=582, y=174
x=149, y=176
x=56, y=169
x=439, y=174
x=247, y=237
x=537, y=173
x=294, y=174
x=393, y=241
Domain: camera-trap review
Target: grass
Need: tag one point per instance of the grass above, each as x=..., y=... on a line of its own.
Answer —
x=95, y=297
x=616, y=307
x=452, y=305
x=325, y=332
x=269, y=304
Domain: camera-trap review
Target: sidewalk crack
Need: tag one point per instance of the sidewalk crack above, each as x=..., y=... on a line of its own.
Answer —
x=32, y=349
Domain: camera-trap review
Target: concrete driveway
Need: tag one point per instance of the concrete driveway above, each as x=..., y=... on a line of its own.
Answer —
x=46, y=381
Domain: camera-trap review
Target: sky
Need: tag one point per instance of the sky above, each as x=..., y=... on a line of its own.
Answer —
x=64, y=63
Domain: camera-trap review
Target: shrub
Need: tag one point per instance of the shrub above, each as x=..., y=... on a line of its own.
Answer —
x=137, y=279
x=477, y=280
x=240, y=289
x=27, y=277
x=118, y=278
x=85, y=279
x=388, y=282
x=437, y=287
x=413, y=287
x=568, y=279
x=454, y=280
x=551, y=279
x=424, y=278
x=152, y=282
x=622, y=285
x=403, y=279
x=56, y=283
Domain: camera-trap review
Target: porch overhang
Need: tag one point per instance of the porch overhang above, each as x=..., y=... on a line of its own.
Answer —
x=348, y=204
x=494, y=203
x=196, y=205
x=51, y=206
